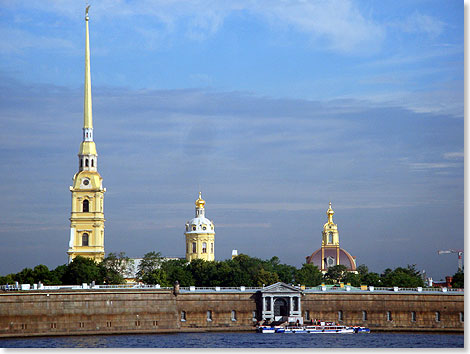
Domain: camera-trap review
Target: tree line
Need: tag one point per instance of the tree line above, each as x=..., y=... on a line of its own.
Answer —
x=241, y=270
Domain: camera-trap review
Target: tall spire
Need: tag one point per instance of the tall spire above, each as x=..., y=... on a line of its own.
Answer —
x=330, y=213
x=87, y=155
x=87, y=115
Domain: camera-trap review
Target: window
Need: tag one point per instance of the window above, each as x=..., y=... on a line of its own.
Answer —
x=364, y=315
x=330, y=261
x=194, y=247
x=53, y=325
x=461, y=316
x=137, y=323
x=340, y=315
x=389, y=316
x=307, y=315
x=209, y=315
x=204, y=228
x=155, y=323
x=85, y=239
x=234, y=315
x=108, y=324
x=86, y=206
x=86, y=162
x=330, y=237
x=194, y=228
x=254, y=316
x=204, y=247
x=438, y=316
x=212, y=247
x=81, y=163
x=92, y=162
x=81, y=324
x=413, y=316
x=183, y=316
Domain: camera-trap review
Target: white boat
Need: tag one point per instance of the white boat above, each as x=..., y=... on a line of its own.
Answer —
x=319, y=327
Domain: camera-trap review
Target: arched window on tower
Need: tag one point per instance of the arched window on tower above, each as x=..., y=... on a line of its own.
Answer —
x=330, y=237
x=204, y=247
x=86, y=162
x=92, y=162
x=86, y=206
x=85, y=239
x=81, y=163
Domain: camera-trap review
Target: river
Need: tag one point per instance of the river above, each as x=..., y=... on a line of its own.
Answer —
x=242, y=340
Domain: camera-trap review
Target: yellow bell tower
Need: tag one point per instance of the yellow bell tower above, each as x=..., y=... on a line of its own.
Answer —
x=87, y=217
x=200, y=235
x=330, y=240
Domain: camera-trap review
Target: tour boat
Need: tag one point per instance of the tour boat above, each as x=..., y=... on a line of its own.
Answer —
x=318, y=327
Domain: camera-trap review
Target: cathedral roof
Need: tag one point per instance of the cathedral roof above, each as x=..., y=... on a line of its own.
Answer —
x=344, y=258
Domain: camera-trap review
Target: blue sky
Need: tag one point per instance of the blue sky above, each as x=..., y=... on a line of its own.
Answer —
x=271, y=108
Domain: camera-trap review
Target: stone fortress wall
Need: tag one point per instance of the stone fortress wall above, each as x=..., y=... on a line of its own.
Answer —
x=119, y=311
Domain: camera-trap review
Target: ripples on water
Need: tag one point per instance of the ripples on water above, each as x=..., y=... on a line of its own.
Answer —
x=242, y=340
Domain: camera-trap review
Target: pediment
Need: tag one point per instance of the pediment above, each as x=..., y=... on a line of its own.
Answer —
x=280, y=287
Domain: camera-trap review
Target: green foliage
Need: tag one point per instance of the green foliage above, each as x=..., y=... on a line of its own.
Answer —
x=407, y=277
x=177, y=269
x=372, y=279
x=335, y=274
x=82, y=270
x=308, y=275
x=115, y=267
x=149, y=269
x=458, y=280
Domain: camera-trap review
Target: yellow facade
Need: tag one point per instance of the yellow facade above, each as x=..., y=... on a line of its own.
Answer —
x=200, y=235
x=330, y=238
x=87, y=216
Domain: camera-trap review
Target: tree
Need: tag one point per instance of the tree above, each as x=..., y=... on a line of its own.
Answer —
x=371, y=279
x=263, y=277
x=335, y=274
x=407, y=277
x=149, y=270
x=177, y=269
x=352, y=278
x=115, y=267
x=458, y=280
x=82, y=270
x=362, y=270
x=308, y=275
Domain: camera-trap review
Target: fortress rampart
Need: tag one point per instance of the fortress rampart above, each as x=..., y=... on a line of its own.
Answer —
x=119, y=311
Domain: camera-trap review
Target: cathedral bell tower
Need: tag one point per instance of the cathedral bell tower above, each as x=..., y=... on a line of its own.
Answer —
x=330, y=240
x=200, y=235
x=87, y=217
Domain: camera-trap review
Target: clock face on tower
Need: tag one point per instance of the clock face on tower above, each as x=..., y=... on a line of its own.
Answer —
x=86, y=183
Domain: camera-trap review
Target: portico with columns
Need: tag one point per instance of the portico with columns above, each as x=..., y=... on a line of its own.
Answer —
x=281, y=302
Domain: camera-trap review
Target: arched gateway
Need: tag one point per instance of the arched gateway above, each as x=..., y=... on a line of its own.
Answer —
x=280, y=302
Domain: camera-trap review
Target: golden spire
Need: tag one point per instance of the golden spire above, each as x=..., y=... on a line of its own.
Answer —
x=330, y=213
x=87, y=116
x=200, y=202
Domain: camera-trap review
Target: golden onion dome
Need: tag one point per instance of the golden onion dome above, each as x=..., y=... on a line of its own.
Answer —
x=200, y=202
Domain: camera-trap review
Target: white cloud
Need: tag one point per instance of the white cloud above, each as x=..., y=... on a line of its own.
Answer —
x=15, y=40
x=420, y=23
x=338, y=22
x=454, y=155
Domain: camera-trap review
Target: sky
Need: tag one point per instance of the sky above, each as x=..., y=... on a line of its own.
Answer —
x=271, y=109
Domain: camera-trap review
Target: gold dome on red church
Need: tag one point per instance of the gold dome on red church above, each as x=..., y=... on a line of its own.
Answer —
x=331, y=254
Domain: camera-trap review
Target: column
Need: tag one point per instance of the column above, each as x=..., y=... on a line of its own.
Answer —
x=291, y=305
